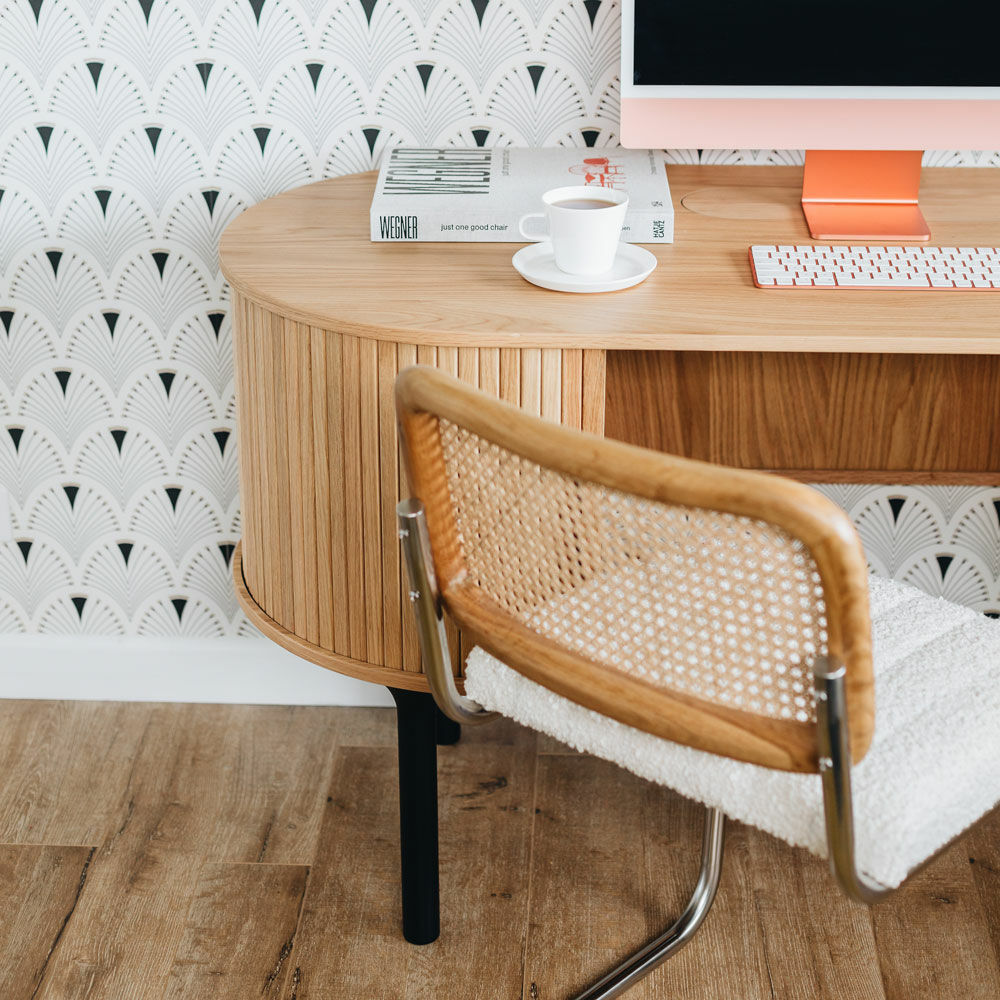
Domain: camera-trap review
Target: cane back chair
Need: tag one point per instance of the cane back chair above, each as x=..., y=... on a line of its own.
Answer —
x=684, y=603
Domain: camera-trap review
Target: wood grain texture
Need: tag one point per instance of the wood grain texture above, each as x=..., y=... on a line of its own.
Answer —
x=486, y=794
x=192, y=788
x=826, y=951
x=232, y=951
x=700, y=297
x=50, y=790
x=40, y=887
x=580, y=865
x=941, y=904
x=321, y=478
x=874, y=417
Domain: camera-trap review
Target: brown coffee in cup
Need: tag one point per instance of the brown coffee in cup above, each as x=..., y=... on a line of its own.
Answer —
x=584, y=203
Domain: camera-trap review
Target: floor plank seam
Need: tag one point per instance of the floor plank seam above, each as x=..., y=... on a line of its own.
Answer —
x=267, y=837
x=763, y=944
x=294, y=974
x=64, y=924
x=531, y=865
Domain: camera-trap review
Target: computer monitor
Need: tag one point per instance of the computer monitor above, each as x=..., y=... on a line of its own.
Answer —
x=862, y=86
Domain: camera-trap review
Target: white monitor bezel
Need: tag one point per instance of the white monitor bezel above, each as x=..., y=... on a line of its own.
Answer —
x=765, y=92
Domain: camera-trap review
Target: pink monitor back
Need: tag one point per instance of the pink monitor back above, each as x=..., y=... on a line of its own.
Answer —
x=808, y=123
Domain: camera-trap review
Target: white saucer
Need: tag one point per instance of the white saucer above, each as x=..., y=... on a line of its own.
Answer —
x=537, y=264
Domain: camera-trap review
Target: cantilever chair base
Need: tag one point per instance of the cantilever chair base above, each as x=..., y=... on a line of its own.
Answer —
x=427, y=609
x=657, y=951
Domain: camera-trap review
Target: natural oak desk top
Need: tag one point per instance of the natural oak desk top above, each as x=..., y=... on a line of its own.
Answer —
x=306, y=255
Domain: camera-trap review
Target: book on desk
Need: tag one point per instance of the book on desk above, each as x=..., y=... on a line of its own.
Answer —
x=458, y=195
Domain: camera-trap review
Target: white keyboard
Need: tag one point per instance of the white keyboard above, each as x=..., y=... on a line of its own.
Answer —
x=931, y=268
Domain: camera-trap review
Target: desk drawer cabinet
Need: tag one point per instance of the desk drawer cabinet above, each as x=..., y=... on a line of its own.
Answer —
x=319, y=567
x=822, y=418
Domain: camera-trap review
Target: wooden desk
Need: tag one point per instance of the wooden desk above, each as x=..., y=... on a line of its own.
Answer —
x=865, y=386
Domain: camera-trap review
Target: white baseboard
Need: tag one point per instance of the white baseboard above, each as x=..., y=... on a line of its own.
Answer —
x=231, y=671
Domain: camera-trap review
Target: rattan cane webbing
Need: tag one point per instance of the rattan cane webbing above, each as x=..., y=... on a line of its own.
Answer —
x=718, y=606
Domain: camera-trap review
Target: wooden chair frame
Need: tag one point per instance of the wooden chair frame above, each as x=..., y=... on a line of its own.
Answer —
x=433, y=553
x=424, y=395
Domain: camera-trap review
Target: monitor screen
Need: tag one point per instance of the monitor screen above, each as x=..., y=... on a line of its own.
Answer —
x=804, y=43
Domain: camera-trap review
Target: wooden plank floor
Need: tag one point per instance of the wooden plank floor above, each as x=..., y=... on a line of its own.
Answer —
x=160, y=852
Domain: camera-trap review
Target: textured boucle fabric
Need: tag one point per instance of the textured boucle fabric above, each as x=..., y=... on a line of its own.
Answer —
x=930, y=773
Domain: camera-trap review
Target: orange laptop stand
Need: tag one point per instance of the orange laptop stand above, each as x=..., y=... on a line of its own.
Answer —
x=863, y=195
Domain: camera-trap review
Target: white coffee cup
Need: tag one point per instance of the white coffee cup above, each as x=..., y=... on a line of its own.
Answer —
x=585, y=223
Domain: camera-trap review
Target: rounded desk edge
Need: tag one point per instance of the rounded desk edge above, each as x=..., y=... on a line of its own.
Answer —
x=409, y=680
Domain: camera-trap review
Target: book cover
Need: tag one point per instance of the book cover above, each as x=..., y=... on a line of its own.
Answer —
x=478, y=195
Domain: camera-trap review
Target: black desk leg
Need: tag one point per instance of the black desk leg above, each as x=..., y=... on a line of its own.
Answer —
x=416, y=736
x=449, y=732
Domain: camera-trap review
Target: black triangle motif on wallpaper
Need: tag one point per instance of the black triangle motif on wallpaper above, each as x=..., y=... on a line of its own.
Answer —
x=257, y=6
x=125, y=548
x=71, y=491
x=160, y=259
x=179, y=603
x=63, y=374
x=147, y=8
x=24, y=544
x=36, y=7
x=480, y=8
x=425, y=70
x=44, y=133
x=95, y=71
x=16, y=433
x=593, y=6
x=590, y=135
x=368, y=6
x=943, y=563
x=103, y=196
x=204, y=71
x=227, y=549
x=79, y=602
x=211, y=196
x=896, y=505
x=314, y=70
x=173, y=494
x=118, y=436
x=262, y=132
x=111, y=319
x=153, y=135
x=167, y=378
x=480, y=135
x=54, y=257
x=216, y=319
x=535, y=71
x=221, y=437
x=6, y=318
x=371, y=135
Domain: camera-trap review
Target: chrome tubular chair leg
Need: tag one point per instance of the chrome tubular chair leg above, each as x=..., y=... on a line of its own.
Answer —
x=430, y=620
x=675, y=937
x=835, y=771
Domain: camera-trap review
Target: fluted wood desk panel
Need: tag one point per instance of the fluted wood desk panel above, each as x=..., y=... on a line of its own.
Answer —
x=320, y=476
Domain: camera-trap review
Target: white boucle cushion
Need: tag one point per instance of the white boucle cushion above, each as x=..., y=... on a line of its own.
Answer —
x=930, y=773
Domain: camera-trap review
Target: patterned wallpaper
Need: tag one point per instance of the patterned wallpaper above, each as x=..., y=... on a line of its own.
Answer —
x=131, y=133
